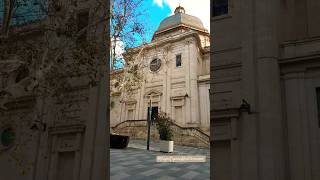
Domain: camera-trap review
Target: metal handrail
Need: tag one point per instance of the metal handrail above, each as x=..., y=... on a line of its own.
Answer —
x=172, y=123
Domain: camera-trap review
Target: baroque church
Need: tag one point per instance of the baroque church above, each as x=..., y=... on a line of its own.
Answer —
x=176, y=75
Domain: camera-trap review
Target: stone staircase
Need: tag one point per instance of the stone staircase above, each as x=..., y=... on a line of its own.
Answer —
x=189, y=136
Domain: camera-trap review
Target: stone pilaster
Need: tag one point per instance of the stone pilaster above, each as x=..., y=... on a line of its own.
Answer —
x=141, y=101
x=170, y=61
x=193, y=79
x=269, y=127
x=187, y=80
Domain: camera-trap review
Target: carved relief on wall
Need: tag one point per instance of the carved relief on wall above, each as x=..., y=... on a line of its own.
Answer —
x=66, y=138
x=14, y=81
x=71, y=105
x=131, y=104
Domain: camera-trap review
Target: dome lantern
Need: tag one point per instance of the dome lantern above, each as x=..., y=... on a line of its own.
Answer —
x=179, y=9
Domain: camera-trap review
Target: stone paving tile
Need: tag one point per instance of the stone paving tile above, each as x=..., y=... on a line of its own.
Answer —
x=190, y=175
x=194, y=167
x=166, y=178
x=136, y=163
x=120, y=176
x=151, y=172
x=175, y=169
x=117, y=168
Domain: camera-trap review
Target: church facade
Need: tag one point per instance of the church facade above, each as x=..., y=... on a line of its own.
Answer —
x=176, y=75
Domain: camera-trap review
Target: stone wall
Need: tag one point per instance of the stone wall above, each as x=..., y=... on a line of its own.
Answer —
x=272, y=62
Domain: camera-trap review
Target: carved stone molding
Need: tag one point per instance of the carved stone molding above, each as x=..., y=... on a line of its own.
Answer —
x=66, y=129
x=189, y=40
x=66, y=145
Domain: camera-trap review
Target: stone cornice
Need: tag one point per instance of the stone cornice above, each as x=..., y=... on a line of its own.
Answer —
x=171, y=40
x=224, y=113
x=72, y=128
x=204, y=78
x=178, y=97
x=299, y=49
x=157, y=33
x=35, y=28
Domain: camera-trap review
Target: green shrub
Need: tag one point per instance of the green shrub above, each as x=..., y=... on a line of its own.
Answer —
x=163, y=124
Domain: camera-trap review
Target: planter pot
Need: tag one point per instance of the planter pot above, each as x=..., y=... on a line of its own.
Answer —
x=119, y=141
x=166, y=146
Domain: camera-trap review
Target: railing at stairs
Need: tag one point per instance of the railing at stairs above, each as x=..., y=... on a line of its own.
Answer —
x=192, y=131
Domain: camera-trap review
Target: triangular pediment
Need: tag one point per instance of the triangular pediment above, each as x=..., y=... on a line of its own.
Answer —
x=153, y=92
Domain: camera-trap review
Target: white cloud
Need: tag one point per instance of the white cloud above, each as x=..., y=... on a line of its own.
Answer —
x=198, y=8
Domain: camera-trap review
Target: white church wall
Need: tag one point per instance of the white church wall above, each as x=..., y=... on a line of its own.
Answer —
x=204, y=104
x=176, y=84
x=115, y=111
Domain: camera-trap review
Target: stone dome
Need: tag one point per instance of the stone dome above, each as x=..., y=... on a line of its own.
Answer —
x=181, y=18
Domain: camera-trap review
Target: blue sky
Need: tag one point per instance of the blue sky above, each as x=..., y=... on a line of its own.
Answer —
x=157, y=10
x=154, y=15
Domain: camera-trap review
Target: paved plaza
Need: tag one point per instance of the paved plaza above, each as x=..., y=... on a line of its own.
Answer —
x=137, y=163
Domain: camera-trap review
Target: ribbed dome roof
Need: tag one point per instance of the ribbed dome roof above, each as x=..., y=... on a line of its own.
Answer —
x=180, y=18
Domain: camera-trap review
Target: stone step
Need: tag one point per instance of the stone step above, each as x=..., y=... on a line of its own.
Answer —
x=181, y=137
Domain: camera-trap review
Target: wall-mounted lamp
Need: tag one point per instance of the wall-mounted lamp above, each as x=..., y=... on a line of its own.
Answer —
x=245, y=107
x=38, y=126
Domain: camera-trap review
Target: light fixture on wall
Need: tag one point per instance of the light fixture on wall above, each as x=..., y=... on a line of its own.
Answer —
x=245, y=107
x=38, y=126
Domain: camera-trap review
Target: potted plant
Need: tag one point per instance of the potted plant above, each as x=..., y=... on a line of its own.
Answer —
x=163, y=124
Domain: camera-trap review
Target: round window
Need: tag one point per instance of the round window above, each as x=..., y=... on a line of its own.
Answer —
x=7, y=137
x=155, y=65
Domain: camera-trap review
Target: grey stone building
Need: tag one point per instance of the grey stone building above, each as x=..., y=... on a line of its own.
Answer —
x=266, y=53
x=47, y=137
